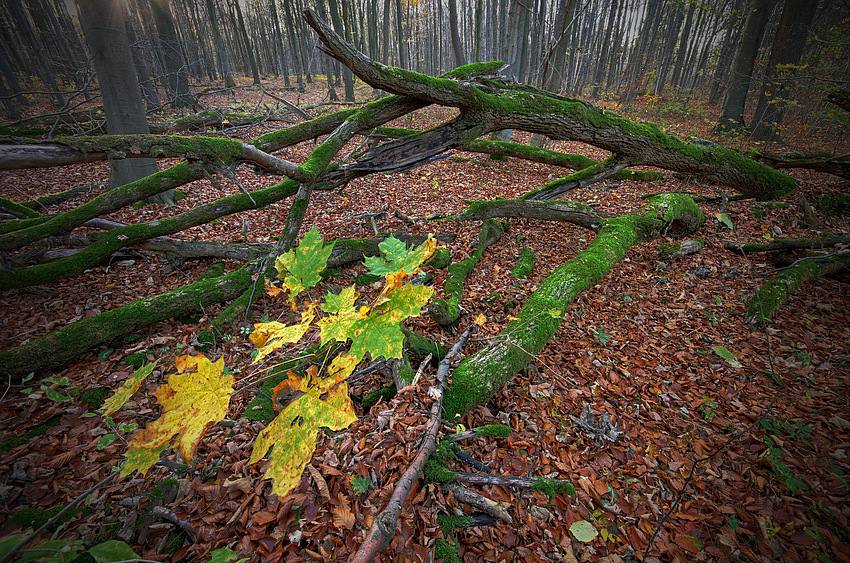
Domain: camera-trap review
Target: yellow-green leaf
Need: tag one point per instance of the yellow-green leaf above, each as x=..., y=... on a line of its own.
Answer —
x=191, y=401
x=293, y=434
x=122, y=395
x=268, y=337
x=301, y=268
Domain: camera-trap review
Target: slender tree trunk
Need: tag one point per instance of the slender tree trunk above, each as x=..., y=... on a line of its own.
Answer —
x=255, y=73
x=347, y=77
x=457, y=47
x=223, y=59
x=175, y=65
x=788, y=45
x=732, y=113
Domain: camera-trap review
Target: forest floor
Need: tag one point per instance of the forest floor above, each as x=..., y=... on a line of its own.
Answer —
x=746, y=460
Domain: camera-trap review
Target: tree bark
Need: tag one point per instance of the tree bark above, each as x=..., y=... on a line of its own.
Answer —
x=787, y=49
x=732, y=113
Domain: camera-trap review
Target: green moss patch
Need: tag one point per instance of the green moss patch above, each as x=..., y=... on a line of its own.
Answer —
x=39, y=430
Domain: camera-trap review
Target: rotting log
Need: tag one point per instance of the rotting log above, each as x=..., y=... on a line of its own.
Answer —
x=780, y=287
x=481, y=375
x=511, y=106
x=61, y=347
x=572, y=212
x=446, y=310
x=789, y=244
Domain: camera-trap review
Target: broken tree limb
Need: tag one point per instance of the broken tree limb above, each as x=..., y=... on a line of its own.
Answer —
x=59, y=348
x=780, y=287
x=837, y=164
x=789, y=244
x=569, y=211
x=505, y=480
x=526, y=152
x=383, y=528
x=506, y=106
x=481, y=375
x=475, y=500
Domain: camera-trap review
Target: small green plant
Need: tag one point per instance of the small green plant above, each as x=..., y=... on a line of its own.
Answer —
x=708, y=406
x=602, y=336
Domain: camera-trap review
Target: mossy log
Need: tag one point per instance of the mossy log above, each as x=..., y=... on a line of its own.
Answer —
x=779, y=288
x=511, y=106
x=446, y=311
x=61, y=347
x=789, y=244
x=481, y=375
x=569, y=211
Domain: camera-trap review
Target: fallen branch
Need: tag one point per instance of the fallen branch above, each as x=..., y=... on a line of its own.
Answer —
x=383, y=528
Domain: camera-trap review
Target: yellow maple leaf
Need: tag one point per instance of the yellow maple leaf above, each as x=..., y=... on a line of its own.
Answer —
x=191, y=401
x=273, y=290
x=270, y=336
x=480, y=319
x=122, y=395
x=293, y=434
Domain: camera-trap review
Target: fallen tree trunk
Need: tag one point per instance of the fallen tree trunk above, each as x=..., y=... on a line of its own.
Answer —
x=780, y=287
x=496, y=106
x=481, y=375
x=836, y=164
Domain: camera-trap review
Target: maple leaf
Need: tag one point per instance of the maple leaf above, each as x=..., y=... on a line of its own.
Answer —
x=270, y=336
x=374, y=330
x=293, y=434
x=122, y=395
x=301, y=268
x=191, y=401
x=398, y=262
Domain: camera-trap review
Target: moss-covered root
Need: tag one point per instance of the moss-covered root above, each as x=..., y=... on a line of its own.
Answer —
x=780, y=287
x=61, y=347
x=524, y=264
x=479, y=376
x=446, y=311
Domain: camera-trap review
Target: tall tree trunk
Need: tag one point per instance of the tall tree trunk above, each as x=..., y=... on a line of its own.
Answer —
x=347, y=77
x=457, y=46
x=599, y=73
x=255, y=73
x=143, y=72
x=732, y=113
x=727, y=50
x=684, y=40
x=788, y=45
x=223, y=59
x=106, y=36
x=175, y=65
x=400, y=39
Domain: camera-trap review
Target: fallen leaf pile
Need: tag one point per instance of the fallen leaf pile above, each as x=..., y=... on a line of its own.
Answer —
x=732, y=442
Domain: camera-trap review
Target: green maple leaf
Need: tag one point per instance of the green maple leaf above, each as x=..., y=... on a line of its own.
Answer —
x=301, y=268
x=397, y=261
